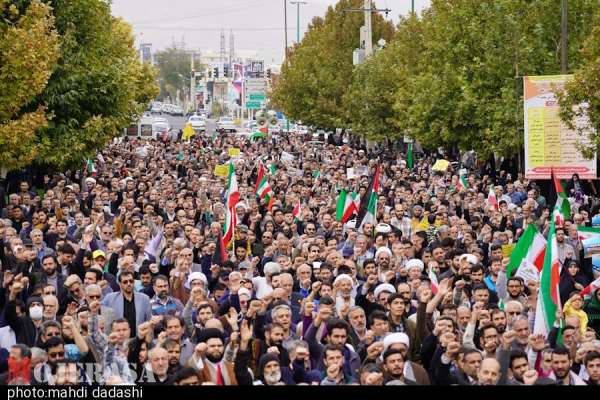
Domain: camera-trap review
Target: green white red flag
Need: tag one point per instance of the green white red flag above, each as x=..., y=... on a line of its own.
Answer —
x=232, y=197
x=492, y=200
x=529, y=250
x=548, y=300
x=346, y=206
x=296, y=212
x=263, y=188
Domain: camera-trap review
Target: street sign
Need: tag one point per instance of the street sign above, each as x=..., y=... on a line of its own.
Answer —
x=256, y=97
x=254, y=105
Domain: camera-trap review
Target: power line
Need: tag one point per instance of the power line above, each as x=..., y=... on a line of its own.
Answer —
x=184, y=29
x=207, y=14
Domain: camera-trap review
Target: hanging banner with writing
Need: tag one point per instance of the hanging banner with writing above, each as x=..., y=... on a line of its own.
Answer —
x=549, y=142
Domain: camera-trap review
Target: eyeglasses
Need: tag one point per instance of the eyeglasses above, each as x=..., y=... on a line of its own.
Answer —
x=127, y=281
x=513, y=312
x=94, y=296
x=57, y=354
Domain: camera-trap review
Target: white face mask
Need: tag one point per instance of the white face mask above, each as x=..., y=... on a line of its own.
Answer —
x=36, y=312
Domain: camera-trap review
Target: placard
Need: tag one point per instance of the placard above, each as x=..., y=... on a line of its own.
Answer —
x=550, y=145
x=221, y=170
x=234, y=152
x=528, y=272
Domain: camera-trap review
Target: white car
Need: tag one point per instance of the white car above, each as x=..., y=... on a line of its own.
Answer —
x=177, y=110
x=156, y=107
x=198, y=123
x=225, y=124
x=166, y=108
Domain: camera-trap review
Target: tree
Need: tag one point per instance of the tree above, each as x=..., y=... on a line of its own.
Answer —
x=98, y=86
x=369, y=101
x=174, y=70
x=319, y=69
x=464, y=92
x=28, y=54
x=581, y=98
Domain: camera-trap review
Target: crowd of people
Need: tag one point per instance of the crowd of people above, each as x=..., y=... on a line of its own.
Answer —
x=118, y=277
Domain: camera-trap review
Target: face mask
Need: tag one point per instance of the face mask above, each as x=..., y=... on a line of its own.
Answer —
x=35, y=312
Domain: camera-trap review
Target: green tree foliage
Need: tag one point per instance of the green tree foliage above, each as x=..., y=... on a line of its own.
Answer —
x=98, y=86
x=464, y=92
x=584, y=89
x=28, y=54
x=370, y=98
x=174, y=70
x=319, y=70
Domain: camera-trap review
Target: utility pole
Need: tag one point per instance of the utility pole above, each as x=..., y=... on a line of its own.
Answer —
x=368, y=28
x=297, y=3
x=285, y=27
x=564, y=38
x=412, y=6
x=192, y=84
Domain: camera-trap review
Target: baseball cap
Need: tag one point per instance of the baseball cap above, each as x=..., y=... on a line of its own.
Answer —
x=98, y=253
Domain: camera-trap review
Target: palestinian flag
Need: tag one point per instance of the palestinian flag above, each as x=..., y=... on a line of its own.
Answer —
x=530, y=250
x=297, y=211
x=262, y=188
x=462, y=183
x=562, y=202
x=232, y=197
x=492, y=200
x=367, y=212
x=258, y=135
x=548, y=300
x=591, y=288
x=346, y=206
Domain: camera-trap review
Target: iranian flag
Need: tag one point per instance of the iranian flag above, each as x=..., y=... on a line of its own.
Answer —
x=262, y=188
x=530, y=250
x=548, y=300
x=434, y=281
x=587, y=232
x=346, y=206
x=367, y=213
x=492, y=200
x=562, y=202
x=296, y=211
x=591, y=288
x=462, y=182
x=90, y=167
x=232, y=198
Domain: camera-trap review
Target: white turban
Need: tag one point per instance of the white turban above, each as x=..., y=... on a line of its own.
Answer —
x=385, y=287
x=194, y=276
x=393, y=338
x=415, y=263
x=383, y=249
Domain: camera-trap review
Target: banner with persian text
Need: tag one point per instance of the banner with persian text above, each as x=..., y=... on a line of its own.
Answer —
x=549, y=142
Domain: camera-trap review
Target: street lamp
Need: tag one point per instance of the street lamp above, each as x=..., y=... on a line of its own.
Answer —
x=297, y=3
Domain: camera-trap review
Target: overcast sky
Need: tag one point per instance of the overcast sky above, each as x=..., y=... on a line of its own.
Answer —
x=257, y=24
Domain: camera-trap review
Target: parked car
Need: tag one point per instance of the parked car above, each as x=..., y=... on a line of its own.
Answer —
x=225, y=124
x=198, y=123
x=177, y=110
x=156, y=107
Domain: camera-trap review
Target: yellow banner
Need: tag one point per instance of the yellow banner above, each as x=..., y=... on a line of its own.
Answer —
x=234, y=152
x=221, y=170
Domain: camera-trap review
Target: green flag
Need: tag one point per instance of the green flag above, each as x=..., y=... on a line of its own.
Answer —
x=409, y=156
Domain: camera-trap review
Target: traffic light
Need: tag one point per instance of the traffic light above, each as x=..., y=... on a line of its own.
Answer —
x=210, y=73
x=216, y=72
x=268, y=73
x=208, y=97
x=226, y=71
